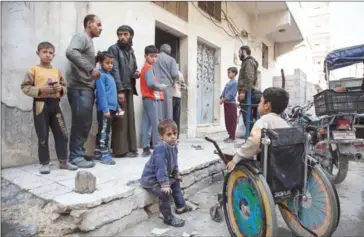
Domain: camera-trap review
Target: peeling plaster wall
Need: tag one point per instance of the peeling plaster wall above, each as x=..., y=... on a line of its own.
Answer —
x=25, y=24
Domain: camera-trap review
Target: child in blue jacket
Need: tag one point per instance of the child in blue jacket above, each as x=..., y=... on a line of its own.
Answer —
x=107, y=107
x=161, y=175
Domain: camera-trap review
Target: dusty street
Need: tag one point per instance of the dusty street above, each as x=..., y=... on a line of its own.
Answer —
x=351, y=193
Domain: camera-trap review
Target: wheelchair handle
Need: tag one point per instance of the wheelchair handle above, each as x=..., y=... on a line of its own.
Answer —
x=270, y=133
x=217, y=148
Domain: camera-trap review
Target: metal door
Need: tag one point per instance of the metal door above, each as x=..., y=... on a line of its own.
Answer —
x=205, y=83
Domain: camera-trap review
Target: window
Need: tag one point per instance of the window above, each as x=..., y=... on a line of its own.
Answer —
x=264, y=56
x=212, y=8
x=179, y=9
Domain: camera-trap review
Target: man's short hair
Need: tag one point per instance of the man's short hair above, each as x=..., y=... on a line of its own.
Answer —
x=277, y=97
x=90, y=17
x=166, y=48
x=150, y=49
x=246, y=48
x=233, y=70
x=45, y=45
x=163, y=125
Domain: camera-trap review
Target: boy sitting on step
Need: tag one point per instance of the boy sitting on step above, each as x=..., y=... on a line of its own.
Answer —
x=161, y=174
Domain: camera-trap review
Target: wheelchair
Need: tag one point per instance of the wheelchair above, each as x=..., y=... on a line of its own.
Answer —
x=285, y=175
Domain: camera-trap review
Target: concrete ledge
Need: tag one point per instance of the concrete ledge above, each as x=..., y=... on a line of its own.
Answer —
x=118, y=203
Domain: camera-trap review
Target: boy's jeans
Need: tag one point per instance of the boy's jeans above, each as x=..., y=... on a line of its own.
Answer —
x=149, y=119
x=165, y=200
x=103, y=135
x=81, y=102
x=47, y=114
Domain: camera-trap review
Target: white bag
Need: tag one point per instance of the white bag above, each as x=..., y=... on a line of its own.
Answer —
x=240, y=128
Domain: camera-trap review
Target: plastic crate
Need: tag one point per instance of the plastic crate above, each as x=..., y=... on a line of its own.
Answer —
x=330, y=102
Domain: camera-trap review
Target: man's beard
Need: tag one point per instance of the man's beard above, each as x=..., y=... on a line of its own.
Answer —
x=242, y=57
x=126, y=45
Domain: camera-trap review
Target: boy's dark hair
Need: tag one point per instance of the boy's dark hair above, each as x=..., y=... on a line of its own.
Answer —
x=277, y=97
x=163, y=125
x=150, y=49
x=233, y=70
x=100, y=57
x=89, y=17
x=246, y=48
x=45, y=45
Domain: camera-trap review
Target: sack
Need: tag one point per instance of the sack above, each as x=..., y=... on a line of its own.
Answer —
x=240, y=129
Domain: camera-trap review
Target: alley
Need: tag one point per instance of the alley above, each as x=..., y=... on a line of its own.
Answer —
x=199, y=223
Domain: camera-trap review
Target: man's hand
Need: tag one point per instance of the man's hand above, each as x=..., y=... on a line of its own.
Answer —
x=121, y=98
x=57, y=87
x=95, y=74
x=46, y=89
x=241, y=96
x=107, y=115
x=230, y=166
x=167, y=190
x=136, y=75
x=163, y=86
x=120, y=113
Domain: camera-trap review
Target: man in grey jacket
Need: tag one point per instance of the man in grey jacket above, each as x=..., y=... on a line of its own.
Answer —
x=81, y=77
x=167, y=72
x=124, y=72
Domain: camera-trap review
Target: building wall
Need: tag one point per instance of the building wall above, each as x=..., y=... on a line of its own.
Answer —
x=25, y=24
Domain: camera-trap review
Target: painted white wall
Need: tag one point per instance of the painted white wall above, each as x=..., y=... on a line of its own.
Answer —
x=27, y=24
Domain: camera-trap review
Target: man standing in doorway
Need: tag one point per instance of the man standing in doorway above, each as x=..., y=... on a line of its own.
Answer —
x=166, y=71
x=248, y=79
x=178, y=86
x=81, y=78
x=123, y=139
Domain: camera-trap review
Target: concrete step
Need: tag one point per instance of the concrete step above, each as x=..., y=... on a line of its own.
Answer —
x=119, y=202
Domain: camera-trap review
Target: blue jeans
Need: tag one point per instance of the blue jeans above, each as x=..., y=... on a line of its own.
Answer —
x=149, y=120
x=81, y=102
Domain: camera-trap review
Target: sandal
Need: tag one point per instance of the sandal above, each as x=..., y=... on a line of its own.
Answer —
x=174, y=221
x=184, y=210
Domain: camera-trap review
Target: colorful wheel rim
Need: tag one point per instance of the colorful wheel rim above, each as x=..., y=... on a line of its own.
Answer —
x=316, y=212
x=245, y=205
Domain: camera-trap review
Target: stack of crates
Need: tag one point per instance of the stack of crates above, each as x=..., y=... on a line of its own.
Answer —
x=296, y=86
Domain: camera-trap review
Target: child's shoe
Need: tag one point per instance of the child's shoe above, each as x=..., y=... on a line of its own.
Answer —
x=107, y=159
x=146, y=152
x=174, y=221
x=183, y=209
x=45, y=169
x=64, y=164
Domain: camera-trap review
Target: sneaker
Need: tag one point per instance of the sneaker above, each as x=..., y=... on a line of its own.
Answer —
x=107, y=160
x=44, y=169
x=174, y=221
x=127, y=155
x=146, y=152
x=229, y=140
x=84, y=164
x=64, y=164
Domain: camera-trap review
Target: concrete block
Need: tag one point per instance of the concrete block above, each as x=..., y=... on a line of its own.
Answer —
x=85, y=182
x=193, y=189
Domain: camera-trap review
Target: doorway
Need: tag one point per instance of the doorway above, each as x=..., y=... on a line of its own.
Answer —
x=163, y=37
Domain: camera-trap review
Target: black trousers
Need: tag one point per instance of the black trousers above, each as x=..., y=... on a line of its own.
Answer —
x=177, y=112
x=48, y=114
x=103, y=135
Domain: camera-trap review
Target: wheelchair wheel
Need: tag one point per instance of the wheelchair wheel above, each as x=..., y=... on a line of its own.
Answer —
x=248, y=204
x=319, y=213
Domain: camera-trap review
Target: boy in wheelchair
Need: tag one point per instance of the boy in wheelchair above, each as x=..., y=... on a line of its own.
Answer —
x=272, y=103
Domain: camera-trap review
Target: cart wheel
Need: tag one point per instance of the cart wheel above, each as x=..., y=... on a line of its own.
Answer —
x=318, y=213
x=248, y=204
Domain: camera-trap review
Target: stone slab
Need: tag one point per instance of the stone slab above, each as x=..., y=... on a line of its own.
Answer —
x=113, y=182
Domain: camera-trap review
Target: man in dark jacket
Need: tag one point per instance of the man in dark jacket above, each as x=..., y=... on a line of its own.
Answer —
x=248, y=79
x=123, y=139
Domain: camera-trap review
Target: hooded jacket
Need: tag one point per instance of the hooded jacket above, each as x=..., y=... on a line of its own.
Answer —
x=248, y=74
